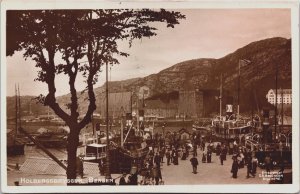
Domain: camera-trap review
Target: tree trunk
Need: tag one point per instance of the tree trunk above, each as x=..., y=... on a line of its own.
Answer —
x=73, y=141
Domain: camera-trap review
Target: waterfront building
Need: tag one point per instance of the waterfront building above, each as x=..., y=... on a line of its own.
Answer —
x=283, y=95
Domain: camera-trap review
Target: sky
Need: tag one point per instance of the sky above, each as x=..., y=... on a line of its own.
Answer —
x=205, y=33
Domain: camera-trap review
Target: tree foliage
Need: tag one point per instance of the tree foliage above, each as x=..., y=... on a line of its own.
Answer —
x=74, y=36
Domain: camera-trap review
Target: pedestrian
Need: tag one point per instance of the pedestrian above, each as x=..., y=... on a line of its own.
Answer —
x=195, y=150
x=187, y=150
x=157, y=159
x=175, y=157
x=151, y=153
x=184, y=155
x=134, y=179
x=254, y=165
x=225, y=151
x=235, y=147
x=221, y=158
x=180, y=152
x=234, y=168
x=203, y=145
x=79, y=165
x=242, y=159
x=218, y=150
x=194, y=162
x=122, y=180
x=230, y=148
x=203, y=157
x=162, y=154
x=208, y=156
x=150, y=160
x=168, y=156
x=156, y=174
x=268, y=163
x=249, y=165
x=172, y=155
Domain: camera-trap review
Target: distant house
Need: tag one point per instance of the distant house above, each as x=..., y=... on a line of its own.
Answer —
x=283, y=95
x=184, y=134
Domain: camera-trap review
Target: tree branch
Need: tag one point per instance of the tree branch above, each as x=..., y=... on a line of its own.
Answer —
x=92, y=105
x=50, y=99
x=74, y=99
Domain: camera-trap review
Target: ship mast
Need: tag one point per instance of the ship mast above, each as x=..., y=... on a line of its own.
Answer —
x=276, y=96
x=19, y=106
x=16, y=109
x=221, y=86
x=107, y=176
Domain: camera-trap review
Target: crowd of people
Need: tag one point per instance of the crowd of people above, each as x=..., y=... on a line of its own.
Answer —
x=171, y=154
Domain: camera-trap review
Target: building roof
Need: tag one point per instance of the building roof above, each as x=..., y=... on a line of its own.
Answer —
x=165, y=97
x=184, y=130
x=284, y=91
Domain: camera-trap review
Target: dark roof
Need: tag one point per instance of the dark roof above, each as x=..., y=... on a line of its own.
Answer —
x=165, y=97
x=182, y=130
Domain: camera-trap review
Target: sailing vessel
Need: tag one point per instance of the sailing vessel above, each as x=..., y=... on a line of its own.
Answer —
x=118, y=154
x=230, y=127
x=15, y=146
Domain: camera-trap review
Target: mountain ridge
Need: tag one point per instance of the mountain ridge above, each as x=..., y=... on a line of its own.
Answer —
x=205, y=73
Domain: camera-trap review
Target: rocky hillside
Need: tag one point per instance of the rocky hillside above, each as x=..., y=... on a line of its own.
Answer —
x=256, y=78
x=205, y=73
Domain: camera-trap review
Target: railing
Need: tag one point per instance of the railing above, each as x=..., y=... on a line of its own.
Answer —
x=99, y=155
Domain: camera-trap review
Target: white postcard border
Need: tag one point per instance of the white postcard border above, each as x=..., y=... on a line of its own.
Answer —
x=71, y=4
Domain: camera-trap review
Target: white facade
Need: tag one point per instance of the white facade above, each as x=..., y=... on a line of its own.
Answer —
x=283, y=95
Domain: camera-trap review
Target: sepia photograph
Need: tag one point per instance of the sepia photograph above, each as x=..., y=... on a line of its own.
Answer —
x=149, y=97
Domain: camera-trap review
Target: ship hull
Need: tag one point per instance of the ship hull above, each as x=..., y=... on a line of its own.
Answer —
x=16, y=149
